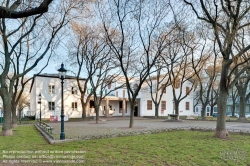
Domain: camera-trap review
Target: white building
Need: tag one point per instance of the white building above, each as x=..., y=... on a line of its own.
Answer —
x=49, y=86
x=145, y=106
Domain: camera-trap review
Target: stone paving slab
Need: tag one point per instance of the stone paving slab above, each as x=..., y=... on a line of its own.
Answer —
x=120, y=126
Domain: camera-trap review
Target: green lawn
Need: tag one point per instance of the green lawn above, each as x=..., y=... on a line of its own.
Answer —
x=169, y=148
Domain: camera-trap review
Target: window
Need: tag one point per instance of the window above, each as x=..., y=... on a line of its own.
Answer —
x=51, y=106
x=74, y=105
x=116, y=94
x=187, y=105
x=51, y=89
x=215, y=109
x=73, y=90
x=149, y=105
x=187, y=90
x=163, y=105
x=230, y=99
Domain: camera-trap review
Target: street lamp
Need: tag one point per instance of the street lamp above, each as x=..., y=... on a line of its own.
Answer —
x=39, y=102
x=62, y=71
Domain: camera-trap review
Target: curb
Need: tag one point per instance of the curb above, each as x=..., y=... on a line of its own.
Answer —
x=133, y=133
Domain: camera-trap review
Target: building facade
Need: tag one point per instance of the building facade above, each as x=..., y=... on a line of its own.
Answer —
x=49, y=85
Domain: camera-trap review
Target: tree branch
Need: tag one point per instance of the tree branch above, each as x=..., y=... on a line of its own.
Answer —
x=6, y=12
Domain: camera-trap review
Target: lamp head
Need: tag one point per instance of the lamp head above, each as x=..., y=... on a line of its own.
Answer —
x=62, y=71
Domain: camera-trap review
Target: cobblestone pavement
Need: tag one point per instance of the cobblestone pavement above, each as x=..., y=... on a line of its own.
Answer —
x=116, y=125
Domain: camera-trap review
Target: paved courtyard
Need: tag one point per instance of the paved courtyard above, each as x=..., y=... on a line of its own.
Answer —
x=119, y=125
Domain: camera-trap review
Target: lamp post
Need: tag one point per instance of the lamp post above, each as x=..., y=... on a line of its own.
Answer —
x=62, y=71
x=39, y=102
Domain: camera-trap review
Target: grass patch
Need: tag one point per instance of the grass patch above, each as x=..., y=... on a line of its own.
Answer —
x=168, y=148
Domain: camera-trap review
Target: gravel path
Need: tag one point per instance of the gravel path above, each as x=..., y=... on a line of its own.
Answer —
x=119, y=125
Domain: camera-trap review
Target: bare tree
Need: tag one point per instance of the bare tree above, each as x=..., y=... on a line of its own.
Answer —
x=227, y=20
x=130, y=27
x=20, y=97
x=207, y=79
x=243, y=81
x=157, y=85
x=104, y=79
x=242, y=85
x=25, y=42
x=92, y=57
x=81, y=51
x=23, y=102
x=180, y=56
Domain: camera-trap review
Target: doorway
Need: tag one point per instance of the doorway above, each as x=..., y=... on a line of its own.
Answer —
x=136, y=111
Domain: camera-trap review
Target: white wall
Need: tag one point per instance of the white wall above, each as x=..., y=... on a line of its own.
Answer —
x=41, y=86
x=168, y=97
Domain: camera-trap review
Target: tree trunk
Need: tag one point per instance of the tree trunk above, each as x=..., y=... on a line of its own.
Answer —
x=97, y=114
x=242, y=116
x=233, y=109
x=14, y=118
x=212, y=110
x=132, y=107
x=176, y=108
x=156, y=110
x=19, y=114
x=221, y=131
x=84, y=109
x=7, y=121
x=203, y=110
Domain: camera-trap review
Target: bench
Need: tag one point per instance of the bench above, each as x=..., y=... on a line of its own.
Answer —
x=47, y=127
x=173, y=116
x=208, y=118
